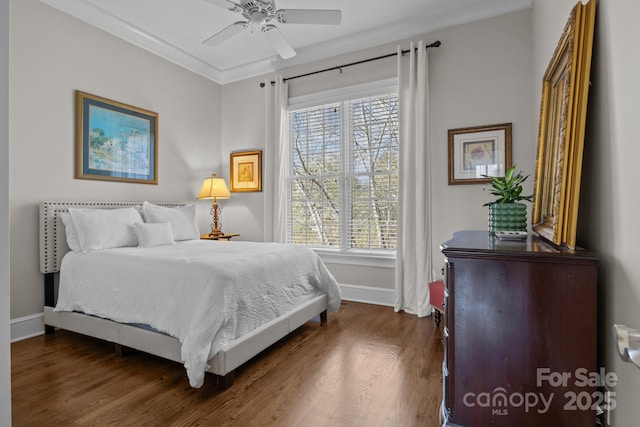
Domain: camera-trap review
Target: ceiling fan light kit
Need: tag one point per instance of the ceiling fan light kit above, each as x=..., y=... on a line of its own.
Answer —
x=261, y=13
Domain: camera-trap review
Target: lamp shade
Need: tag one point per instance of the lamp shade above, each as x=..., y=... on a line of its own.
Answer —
x=214, y=187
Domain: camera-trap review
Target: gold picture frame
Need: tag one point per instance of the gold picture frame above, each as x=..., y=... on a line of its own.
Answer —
x=246, y=171
x=563, y=111
x=115, y=141
x=479, y=150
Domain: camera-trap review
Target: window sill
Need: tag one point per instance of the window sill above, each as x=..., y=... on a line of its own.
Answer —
x=354, y=258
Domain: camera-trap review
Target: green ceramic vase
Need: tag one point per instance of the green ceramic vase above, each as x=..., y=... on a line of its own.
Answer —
x=507, y=217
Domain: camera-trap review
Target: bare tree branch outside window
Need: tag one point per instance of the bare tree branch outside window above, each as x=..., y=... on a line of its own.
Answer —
x=344, y=177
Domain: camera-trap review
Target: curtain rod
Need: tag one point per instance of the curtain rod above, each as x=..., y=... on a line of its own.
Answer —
x=340, y=67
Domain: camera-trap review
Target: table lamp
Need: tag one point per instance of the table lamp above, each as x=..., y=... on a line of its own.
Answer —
x=214, y=188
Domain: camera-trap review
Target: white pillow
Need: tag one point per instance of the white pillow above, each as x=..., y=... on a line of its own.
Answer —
x=105, y=228
x=156, y=234
x=181, y=218
x=71, y=231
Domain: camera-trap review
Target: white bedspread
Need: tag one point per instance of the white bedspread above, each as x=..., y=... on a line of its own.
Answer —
x=204, y=293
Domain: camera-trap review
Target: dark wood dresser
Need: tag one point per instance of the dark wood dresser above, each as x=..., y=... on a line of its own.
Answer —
x=520, y=333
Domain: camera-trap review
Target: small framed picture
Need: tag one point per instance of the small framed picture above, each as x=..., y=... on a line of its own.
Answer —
x=246, y=171
x=115, y=141
x=479, y=151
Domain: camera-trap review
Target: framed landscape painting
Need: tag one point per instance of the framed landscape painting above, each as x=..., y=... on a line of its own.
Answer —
x=115, y=141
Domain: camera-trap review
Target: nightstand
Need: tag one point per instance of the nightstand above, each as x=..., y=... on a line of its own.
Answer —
x=220, y=237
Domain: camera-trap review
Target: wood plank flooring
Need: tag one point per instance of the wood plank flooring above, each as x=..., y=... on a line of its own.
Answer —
x=369, y=366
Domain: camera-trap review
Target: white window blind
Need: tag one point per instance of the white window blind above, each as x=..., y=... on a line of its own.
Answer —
x=344, y=174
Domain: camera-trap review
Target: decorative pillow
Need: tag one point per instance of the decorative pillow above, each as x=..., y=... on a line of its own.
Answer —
x=181, y=218
x=71, y=231
x=155, y=234
x=105, y=228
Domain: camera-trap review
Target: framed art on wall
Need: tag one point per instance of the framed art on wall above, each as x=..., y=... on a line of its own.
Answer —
x=246, y=171
x=115, y=141
x=477, y=151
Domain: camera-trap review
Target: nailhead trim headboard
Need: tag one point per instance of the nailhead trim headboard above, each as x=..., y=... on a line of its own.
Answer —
x=53, y=240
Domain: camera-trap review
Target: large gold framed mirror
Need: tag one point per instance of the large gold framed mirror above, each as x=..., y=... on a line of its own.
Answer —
x=563, y=111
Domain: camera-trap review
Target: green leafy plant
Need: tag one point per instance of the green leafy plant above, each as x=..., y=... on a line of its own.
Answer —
x=508, y=188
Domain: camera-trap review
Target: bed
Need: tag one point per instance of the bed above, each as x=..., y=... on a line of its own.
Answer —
x=209, y=305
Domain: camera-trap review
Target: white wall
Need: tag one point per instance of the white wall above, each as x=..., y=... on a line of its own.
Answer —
x=480, y=75
x=607, y=217
x=5, y=353
x=52, y=55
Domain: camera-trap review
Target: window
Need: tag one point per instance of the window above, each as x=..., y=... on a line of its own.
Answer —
x=344, y=174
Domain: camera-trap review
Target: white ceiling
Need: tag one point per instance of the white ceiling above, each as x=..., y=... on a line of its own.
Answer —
x=175, y=29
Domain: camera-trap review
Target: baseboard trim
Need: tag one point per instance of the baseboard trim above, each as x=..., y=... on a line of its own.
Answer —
x=27, y=327
x=368, y=294
x=33, y=325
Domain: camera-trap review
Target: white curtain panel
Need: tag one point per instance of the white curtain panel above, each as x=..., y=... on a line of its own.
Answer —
x=276, y=159
x=413, y=254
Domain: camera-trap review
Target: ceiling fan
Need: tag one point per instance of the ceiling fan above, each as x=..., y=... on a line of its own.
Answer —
x=260, y=13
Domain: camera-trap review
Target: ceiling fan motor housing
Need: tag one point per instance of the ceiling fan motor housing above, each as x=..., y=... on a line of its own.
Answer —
x=257, y=11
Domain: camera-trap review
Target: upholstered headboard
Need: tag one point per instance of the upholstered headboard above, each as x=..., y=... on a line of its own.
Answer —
x=53, y=240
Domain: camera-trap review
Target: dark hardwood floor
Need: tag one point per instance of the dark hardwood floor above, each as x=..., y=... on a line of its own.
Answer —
x=369, y=366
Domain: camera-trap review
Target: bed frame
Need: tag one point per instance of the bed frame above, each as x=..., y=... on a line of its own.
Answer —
x=53, y=246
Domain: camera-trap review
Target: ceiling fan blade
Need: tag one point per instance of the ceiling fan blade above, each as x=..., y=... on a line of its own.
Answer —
x=226, y=33
x=309, y=16
x=277, y=40
x=227, y=4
